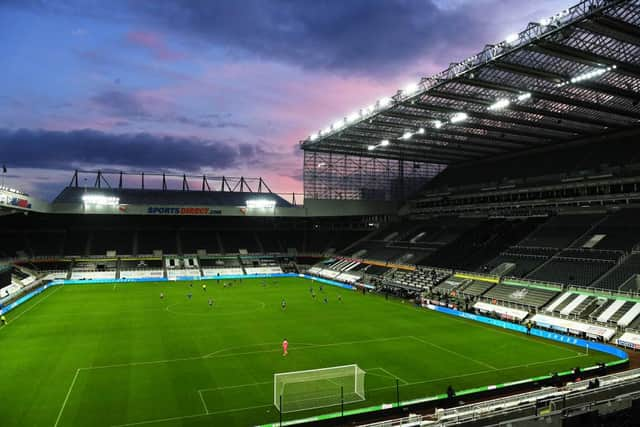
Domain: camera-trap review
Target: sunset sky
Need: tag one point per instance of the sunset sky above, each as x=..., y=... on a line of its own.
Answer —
x=212, y=86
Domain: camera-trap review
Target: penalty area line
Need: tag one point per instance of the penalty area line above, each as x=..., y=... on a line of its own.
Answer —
x=184, y=417
x=66, y=398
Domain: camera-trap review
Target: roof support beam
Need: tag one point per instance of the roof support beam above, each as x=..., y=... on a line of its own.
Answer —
x=613, y=28
x=557, y=78
x=505, y=130
x=584, y=57
x=517, y=121
x=387, y=154
x=525, y=108
x=489, y=141
x=551, y=97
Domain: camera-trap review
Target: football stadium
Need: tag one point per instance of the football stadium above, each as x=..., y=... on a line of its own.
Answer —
x=466, y=252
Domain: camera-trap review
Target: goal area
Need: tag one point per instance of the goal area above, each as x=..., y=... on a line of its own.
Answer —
x=318, y=388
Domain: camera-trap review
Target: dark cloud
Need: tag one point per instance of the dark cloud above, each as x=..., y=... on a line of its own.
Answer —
x=369, y=36
x=90, y=148
x=365, y=36
x=119, y=104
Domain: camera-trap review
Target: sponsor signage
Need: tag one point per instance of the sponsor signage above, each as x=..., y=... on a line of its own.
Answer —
x=15, y=201
x=163, y=210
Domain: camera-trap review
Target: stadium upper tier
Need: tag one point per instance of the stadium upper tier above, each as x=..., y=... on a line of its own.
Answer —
x=74, y=195
x=565, y=78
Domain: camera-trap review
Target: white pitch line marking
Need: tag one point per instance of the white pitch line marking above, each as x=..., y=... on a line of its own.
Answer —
x=19, y=315
x=160, y=420
x=455, y=353
x=66, y=399
x=217, y=354
x=204, y=404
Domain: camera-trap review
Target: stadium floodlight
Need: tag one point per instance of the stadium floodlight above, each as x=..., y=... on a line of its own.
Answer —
x=420, y=131
x=587, y=76
x=371, y=147
x=352, y=117
x=318, y=388
x=261, y=204
x=338, y=124
x=500, y=104
x=410, y=89
x=512, y=38
x=384, y=142
x=524, y=96
x=459, y=117
x=313, y=137
x=326, y=131
x=437, y=124
x=383, y=102
x=544, y=22
x=406, y=135
x=100, y=200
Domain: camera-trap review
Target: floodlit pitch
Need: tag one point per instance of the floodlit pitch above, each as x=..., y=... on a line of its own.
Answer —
x=105, y=355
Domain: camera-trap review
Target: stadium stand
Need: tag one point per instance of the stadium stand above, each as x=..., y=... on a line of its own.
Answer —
x=128, y=196
x=534, y=298
x=571, y=271
x=623, y=275
x=560, y=231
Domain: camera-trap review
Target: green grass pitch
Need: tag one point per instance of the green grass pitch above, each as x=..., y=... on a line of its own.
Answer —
x=118, y=355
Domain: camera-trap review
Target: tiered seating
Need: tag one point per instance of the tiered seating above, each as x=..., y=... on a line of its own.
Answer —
x=475, y=288
x=621, y=312
x=479, y=244
x=220, y=266
x=560, y=231
x=619, y=231
x=93, y=269
x=75, y=242
x=178, y=267
x=234, y=241
x=524, y=260
x=270, y=241
x=108, y=240
x=195, y=240
x=618, y=276
x=532, y=297
x=260, y=265
x=141, y=267
x=12, y=243
x=421, y=278
x=629, y=317
x=45, y=243
x=571, y=271
x=150, y=240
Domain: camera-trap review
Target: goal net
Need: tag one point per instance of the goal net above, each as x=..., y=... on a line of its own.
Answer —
x=318, y=388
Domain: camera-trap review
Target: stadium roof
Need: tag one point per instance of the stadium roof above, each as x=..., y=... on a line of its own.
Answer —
x=568, y=77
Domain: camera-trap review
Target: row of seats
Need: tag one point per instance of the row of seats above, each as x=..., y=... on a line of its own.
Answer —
x=142, y=241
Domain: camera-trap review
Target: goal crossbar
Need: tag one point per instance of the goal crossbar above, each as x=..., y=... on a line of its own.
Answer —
x=318, y=388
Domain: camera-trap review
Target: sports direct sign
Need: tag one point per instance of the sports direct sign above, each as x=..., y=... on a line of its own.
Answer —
x=158, y=210
x=12, y=200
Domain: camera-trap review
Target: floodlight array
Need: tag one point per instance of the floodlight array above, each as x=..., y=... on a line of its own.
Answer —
x=100, y=200
x=589, y=75
x=260, y=204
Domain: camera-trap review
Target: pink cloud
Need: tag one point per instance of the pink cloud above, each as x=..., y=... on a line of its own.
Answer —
x=155, y=44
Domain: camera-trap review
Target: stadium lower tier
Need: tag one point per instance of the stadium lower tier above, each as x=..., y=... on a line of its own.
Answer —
x=180, y=353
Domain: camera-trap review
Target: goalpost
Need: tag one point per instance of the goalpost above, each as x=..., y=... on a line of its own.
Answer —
x=318, y=388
